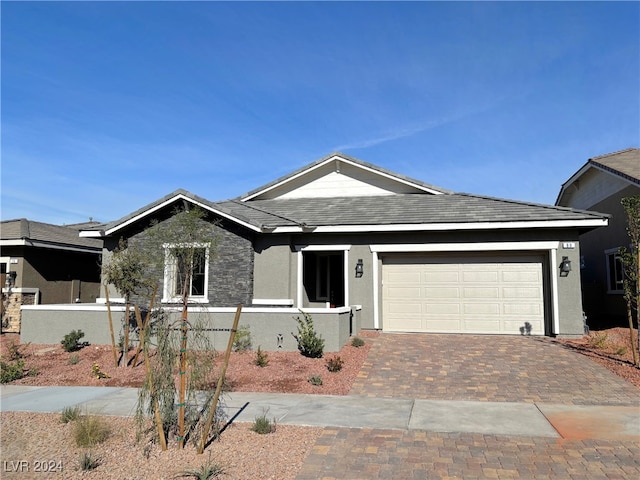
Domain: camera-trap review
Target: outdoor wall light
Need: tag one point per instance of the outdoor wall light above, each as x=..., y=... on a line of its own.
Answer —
x=10, y=281
x=565, y=266
x=359, y=268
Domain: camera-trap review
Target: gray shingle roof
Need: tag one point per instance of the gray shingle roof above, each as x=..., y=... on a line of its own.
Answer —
x=398, y=209
x=54, y=235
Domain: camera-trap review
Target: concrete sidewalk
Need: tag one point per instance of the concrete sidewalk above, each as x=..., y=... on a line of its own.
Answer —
x=352, y=411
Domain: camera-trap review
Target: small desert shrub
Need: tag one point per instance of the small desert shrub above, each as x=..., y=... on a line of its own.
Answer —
x=14, y=353
x=242, y=339
x=10, y=371
x=71, y=341
x=310, y=344
x=598, y=340
x=88, y=461
x=621, y=350
x=74, y=359
x=90, y=430
x=315, y=380
x=357, y=342
x=205, y=472
x=263, y=425
x=334, y=364
x=70, y=414
x=262, y=359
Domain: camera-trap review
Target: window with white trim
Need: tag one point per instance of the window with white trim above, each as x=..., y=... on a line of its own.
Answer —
x=615, y=271
x=186, y=272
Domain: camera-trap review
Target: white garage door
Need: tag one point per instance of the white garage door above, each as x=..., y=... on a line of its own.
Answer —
x=463, y=295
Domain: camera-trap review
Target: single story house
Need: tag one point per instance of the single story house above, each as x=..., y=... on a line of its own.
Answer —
x=600, y=185
x=360, y=247
x=42, y=263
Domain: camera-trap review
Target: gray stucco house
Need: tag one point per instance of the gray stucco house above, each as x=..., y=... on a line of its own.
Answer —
x=45, y=264
x=600, y=185
x=361, y=247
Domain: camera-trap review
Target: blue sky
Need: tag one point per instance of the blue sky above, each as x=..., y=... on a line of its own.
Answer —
x=108, y=106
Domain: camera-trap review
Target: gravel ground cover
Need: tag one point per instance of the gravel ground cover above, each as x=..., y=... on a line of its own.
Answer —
x=41, y=446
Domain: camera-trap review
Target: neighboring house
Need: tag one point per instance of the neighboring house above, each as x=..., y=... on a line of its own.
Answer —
x=45, y=264
x=360, y=247
x=600, y=185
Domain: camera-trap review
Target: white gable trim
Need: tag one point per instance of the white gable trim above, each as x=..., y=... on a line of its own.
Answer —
x=171, y=200
x=585, y=168
x=349, y=162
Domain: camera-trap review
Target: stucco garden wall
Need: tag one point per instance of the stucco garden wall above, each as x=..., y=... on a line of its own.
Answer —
x=271, y=329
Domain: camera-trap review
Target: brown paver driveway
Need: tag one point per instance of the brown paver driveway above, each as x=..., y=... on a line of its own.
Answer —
x=481, y=368
x=487, y=368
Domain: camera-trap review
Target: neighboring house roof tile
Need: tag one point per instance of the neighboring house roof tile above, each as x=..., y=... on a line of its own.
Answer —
x=625, y=163
x=45, y=234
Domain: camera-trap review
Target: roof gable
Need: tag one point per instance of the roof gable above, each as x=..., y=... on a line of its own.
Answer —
x=338, y=175
x=600, y=178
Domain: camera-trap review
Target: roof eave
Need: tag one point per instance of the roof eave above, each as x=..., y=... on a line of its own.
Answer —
x=453, y=226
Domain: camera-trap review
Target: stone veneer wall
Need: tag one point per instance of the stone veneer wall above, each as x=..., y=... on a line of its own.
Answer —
x=12, y=316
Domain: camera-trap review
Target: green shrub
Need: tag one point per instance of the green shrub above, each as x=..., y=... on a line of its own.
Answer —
x=262, y=359
x=315, y=380
x=90, y=430
x=310, y=344
x=10, y=371
x=74, y=359
x=70, y=414
x=88, y=461
x=599, y=340
x=205, y=472
x=71, y=341
x=334, y=364
x=621, y=350
x=14, y=352
x=242, y=339
x=263, y=425
x=357, y=342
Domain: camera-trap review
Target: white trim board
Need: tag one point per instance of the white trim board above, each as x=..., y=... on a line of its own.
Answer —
x=463, y=247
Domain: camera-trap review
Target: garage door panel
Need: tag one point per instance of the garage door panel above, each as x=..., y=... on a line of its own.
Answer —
x=481, y=292
x=521, y=277
x=409, y=307
x=479, y=277
x=447, y=276
x=442, y=308
x=482, y=309
x=442, y=325
x=470, y=294
x=441, y=292
x=405, y=292
x=521, y=292
x=522, y=309
x=401, y=278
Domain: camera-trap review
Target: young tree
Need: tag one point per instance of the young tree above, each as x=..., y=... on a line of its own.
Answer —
x=631, y=262
x=126, y=270
x=181, y=248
